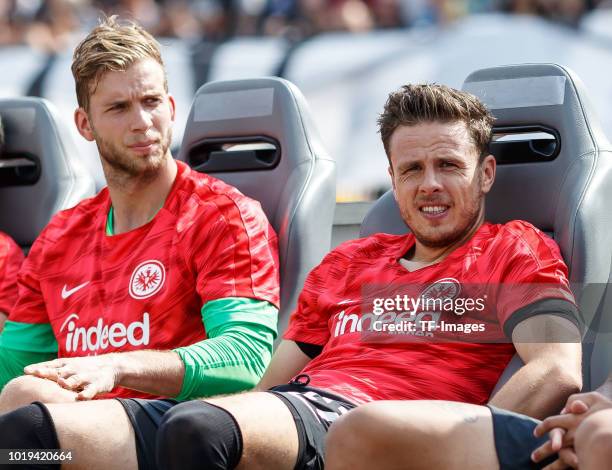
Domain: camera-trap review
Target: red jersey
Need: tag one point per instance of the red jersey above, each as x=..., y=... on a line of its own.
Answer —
x=347, y=300
x=11, y=258
x=144, y=289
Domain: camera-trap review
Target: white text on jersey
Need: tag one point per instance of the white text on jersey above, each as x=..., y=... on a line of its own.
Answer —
x=101, y=336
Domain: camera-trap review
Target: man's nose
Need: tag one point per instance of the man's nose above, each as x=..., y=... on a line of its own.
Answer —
x=141, y=119
x=431, y=182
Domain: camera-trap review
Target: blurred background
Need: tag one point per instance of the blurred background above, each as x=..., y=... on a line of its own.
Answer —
x=345, y=55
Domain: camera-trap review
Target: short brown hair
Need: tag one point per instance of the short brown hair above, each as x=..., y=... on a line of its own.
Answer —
x=110, y=46
x=415, y=104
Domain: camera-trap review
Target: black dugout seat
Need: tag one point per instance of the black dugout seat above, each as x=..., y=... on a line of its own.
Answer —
x=554, y=170
x=40, y=171
x=259, y=136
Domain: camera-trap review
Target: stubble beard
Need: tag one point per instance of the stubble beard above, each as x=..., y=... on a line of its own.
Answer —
x=122, y=169
x=473, y=216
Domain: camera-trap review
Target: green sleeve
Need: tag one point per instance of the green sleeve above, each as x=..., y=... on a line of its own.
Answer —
x=22, y=344
x=240, y=334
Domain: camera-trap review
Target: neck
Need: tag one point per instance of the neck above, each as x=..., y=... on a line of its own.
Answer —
x=430, y=255
x=136, y=201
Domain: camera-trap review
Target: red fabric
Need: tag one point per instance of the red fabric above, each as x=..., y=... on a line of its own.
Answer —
x=207, y=242
x=365, y=367
x=11, y=258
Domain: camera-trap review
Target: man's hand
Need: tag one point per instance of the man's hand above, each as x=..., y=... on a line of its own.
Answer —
x=88, y=376
x=562, y=429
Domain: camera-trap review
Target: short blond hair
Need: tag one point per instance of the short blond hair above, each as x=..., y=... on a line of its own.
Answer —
x=112, y=46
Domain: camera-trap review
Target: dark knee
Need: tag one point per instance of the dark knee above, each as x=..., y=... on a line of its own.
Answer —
x=196, y=435
x=28, y=427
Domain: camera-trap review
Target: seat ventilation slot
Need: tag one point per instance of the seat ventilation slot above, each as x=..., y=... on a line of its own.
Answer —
x=235, y=154
x=19, y=169
x=524, y=144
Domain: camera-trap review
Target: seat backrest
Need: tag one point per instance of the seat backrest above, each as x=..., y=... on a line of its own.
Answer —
x=554, y=170
x=259, y=136
x=40, y=171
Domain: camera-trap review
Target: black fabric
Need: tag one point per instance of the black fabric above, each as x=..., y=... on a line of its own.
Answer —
x=146, y=417
x=514, y=440
x=29, y=427
x=311, y=350
x=198, y=435
x=558, y=307
x=313, y=410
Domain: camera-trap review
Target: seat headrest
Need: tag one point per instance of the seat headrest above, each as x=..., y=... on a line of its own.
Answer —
x=538, y=97
x=529, y=99
x=258, y=135
x=261, y=118
x=40, y=171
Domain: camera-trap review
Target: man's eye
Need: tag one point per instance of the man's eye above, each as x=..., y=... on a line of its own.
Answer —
x=411, y=169
x=152, y=101
x=448, y=165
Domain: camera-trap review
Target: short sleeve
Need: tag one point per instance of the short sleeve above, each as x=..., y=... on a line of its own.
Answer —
x=11, y=258
x=535, y=279
x=30, y=306
x=234, y=252
x=309, y=323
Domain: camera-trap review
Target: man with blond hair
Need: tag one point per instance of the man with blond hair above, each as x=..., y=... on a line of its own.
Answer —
x=338, y=351
x=165, y=284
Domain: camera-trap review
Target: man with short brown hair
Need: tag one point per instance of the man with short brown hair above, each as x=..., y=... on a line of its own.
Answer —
x=456, y=434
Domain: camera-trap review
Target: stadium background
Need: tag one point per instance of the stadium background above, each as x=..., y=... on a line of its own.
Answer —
x=345, y=55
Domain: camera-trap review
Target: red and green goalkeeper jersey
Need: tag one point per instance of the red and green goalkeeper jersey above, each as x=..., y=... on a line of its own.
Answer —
x=455, y=317
x=144, y=289
x=11, y=258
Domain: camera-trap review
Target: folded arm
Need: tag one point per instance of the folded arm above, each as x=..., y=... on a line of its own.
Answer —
x=233, y=358
x=550, y=347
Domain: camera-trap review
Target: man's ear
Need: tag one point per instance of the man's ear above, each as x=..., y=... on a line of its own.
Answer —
x=390, y=170
x=81, y=119
x=488, y=168
x=172, y=107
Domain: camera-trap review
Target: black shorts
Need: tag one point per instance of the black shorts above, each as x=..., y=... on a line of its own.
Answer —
x=313, y=411
x=514, y=440
x=146, y=416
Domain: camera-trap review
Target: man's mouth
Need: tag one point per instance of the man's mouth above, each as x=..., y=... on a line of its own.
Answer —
x=144, y=144
x=143, y=147
x=437, y=210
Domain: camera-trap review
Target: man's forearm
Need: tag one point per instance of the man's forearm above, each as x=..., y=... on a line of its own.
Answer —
x=155, y=372
x=550, y=347
x=538, y=389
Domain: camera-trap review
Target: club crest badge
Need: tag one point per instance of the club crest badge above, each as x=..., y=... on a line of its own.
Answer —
x=447, y=288
x=147, y=279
